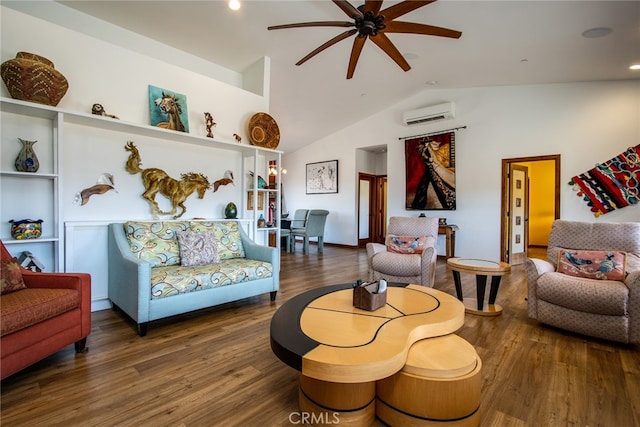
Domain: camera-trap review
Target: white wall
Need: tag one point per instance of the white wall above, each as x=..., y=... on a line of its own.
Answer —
x=118, y=78
x=586, y=123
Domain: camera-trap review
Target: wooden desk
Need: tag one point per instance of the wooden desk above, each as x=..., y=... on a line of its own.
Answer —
x=449, y=230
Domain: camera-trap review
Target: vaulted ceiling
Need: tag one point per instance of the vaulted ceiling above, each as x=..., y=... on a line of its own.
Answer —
x=502, y=43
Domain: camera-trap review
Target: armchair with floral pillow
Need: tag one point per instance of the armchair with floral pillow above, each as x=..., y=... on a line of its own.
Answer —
x=590, y=282
x=409, y=253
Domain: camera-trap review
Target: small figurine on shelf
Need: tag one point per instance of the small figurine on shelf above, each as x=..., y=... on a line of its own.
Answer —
x=30, y=262
x=262, y=223
x=237, y=137
x=261, y=182
x=98, y=110
x=210, y=124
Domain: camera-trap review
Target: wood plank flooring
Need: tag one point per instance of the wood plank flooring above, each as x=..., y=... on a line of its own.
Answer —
x=215, y=367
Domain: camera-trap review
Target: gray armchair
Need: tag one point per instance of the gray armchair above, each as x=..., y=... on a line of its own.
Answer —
x=602, y=308
x=314, y=227
x=406, y=268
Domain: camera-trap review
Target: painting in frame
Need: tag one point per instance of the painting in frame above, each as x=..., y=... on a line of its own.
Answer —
x=168, y=109
x=322, y=177
x=430, y=172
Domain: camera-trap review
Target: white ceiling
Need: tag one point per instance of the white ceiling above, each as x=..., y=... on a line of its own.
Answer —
x=502, y=43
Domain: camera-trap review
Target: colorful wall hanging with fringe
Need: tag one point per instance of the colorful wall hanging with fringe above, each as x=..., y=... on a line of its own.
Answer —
x=611, y=185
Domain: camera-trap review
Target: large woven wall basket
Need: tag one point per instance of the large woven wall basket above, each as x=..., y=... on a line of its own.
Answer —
x=31, y=77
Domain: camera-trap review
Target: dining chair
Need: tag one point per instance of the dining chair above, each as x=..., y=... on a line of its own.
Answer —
x=314, y=227
x=299, y=220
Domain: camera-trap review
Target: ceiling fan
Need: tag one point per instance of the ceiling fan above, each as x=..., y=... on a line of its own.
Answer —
x=371, y=22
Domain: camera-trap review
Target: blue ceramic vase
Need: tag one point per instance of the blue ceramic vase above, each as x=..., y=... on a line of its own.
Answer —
x=27, y=161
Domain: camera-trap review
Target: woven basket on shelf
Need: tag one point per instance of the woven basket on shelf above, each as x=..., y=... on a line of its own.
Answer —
x=31, y=77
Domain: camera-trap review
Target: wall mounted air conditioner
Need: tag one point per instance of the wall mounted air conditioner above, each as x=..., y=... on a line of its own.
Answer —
x=429, y=114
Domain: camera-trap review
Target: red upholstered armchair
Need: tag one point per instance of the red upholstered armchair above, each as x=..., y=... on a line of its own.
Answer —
x=52, y=311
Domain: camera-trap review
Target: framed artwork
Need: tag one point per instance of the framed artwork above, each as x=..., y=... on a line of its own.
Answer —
x=322, y=177
x=168, y=109
x=518, y=220
x=518, y=184
x=250, y=201
x=518, y=202
x=430, y=167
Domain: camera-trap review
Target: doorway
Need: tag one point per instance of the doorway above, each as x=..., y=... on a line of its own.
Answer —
x=530, y=203
x=372, y=208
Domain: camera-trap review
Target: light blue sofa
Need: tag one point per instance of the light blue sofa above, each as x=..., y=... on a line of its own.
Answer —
x=148, y=282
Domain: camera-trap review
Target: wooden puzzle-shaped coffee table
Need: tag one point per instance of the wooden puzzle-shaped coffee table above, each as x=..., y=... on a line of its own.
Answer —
x=401, y=362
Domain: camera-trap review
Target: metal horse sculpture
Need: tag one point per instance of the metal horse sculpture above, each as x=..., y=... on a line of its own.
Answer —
x=158, y=181
x=170, y=106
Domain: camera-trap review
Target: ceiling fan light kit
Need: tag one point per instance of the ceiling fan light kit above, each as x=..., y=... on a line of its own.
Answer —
x=372, y=23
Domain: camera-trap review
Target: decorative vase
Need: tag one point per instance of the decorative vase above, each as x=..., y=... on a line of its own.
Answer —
x=230, y=211
x=31, y=77
x=27, y=161
x=26, y=229
x=262, y=222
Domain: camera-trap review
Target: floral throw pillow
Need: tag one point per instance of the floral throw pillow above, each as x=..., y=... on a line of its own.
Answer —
x=405, y=244
x=604, y=265
x=197, y=248
x=10, y=276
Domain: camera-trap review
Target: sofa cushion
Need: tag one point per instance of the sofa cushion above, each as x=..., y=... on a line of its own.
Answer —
x=227, y=234
x=174, y=280
x=197, y=248
x=605, y=265
x=29, y=306
x=607, y=297
x=10, y=276
x=405, y=244
x=155, y=242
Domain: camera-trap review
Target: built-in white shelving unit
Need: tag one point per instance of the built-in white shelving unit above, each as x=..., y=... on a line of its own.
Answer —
x=37, y=195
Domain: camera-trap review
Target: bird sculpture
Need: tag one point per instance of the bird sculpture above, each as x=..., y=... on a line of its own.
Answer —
x=227, y=179
x=104, y=184
x=261, y=182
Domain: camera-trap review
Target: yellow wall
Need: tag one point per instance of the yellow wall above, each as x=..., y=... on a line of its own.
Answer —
x=541, y=200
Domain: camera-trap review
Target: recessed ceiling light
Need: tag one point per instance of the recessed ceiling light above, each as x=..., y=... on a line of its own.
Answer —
x=635, y=67
x=432, y=82
x=234, y=4
x=593, y=33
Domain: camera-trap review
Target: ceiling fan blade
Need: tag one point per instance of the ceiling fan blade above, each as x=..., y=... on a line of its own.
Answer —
x=414, y=28
x=348, y=8
x=313, y=24
x=383, y=42
x=330, y=43
x=358, y=44
x=373, y=6
x=392, y=12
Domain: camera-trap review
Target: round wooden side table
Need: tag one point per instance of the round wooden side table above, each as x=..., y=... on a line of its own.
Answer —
x=482, y=269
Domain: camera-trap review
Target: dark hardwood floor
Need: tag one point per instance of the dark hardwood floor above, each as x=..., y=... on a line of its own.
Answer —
x=215, y=367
